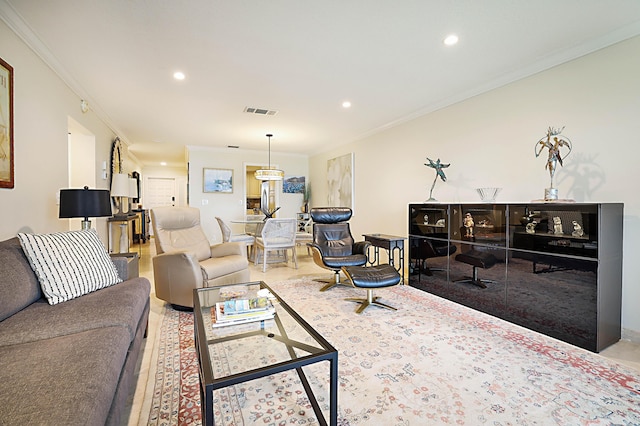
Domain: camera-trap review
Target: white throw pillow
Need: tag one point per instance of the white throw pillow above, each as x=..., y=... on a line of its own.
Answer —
x=69, y=264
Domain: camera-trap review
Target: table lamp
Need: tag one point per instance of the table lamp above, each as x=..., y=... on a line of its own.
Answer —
x=120, y=190
x=133, y=193
x=84, y=203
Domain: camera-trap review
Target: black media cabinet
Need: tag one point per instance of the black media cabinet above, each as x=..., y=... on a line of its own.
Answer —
x=555, y=268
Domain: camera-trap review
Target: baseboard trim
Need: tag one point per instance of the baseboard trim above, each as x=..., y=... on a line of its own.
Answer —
x=631, y=335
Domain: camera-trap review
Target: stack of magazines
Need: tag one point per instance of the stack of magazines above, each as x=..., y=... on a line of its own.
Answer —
x=240, y=311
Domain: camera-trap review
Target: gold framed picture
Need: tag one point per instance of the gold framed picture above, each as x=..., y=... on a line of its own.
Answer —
x=6, y=125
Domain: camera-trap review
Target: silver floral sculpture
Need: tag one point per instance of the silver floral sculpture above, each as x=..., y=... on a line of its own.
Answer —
x=553, y=142
x=437, y=166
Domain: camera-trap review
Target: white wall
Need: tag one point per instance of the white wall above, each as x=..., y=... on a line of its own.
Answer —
x=42, y=107
x=489, y=141
x=232, y=206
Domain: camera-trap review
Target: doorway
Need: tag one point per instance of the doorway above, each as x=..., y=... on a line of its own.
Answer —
x=258, y=194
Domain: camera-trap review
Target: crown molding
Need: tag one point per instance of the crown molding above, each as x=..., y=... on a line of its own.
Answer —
x=23, y=30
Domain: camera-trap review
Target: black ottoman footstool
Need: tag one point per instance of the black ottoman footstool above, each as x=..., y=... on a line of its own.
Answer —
x=371, y=277
x=477, y=259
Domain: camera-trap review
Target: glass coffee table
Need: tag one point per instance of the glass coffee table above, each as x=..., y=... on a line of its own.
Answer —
x=284, y=342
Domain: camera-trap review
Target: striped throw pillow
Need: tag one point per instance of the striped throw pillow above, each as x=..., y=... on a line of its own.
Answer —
x=69, y=264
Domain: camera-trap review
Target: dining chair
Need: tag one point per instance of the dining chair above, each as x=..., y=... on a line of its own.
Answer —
x=228, y=237
x=276, y=235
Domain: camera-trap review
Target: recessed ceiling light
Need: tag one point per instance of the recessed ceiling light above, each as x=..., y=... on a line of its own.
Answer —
x=179, y=75
x=163, y=163
x=346, y=104
x=451, y=40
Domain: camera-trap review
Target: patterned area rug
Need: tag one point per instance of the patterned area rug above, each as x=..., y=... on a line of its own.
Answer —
x=430, y=362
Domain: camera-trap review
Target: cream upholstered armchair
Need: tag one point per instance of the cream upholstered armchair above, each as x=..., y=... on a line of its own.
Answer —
x=185, y=260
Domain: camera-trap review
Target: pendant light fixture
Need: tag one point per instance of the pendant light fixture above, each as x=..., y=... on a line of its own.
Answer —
x=269, y=174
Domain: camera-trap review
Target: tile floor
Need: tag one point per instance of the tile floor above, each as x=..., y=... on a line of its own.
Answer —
x=624, y=352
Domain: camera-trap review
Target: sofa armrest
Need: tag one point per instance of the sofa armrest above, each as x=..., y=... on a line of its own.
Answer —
x=126, y=265
x=228, y=249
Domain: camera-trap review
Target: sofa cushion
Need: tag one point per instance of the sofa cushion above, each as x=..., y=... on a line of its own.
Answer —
x=19, y=286
x=119, y=305
x=69, y=380
x=69, y=264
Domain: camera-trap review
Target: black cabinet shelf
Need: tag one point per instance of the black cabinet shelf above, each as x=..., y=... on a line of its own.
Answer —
x=555, y=268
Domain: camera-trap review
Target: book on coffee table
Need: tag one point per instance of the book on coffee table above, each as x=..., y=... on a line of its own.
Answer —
x=240, y=311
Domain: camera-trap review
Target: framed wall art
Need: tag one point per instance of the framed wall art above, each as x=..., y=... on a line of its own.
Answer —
x=217, y=180
x=340, y=181
x=6, y=125
x=293, y=185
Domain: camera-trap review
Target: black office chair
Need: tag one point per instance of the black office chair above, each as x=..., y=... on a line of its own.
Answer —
x=333, y=245
x=426, y=249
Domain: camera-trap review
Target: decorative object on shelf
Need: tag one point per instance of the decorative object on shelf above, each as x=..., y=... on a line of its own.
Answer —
x=531, y=227
x=217, y=180
x=84, y=203
x=557, y=225
x=6, y=125
x=553, y=142
x=468, y=225
x=577, y=229
x=488, y=194
x=269, y=173
x=437, y=166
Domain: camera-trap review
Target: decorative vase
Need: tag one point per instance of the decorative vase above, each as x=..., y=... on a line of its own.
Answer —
x=124, y=239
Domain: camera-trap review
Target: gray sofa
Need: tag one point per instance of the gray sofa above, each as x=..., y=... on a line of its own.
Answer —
x=72, y=363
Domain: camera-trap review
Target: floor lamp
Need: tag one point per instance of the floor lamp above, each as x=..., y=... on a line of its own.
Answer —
x=84, y=203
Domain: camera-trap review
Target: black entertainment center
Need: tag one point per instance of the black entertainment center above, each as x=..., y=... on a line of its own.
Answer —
x=555, y=268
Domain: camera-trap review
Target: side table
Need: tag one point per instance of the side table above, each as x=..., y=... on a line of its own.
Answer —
x=391, y=243
x=124, y=241
x=128, y=267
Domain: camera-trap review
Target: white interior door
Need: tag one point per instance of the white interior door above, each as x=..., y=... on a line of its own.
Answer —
x=159, y=192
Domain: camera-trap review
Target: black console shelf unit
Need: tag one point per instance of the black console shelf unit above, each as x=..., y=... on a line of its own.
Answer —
x=555, y=268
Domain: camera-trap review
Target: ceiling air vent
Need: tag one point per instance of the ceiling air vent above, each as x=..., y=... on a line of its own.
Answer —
x=260, y=111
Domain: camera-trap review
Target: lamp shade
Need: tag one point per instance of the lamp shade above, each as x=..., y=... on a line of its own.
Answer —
x=84, y=203
x=119, y=185
x=269, y=173
x=133, y=188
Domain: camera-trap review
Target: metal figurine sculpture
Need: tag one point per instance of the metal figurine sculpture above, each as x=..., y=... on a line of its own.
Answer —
x=553, y=142
x=437, y=166
x=268, y=214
